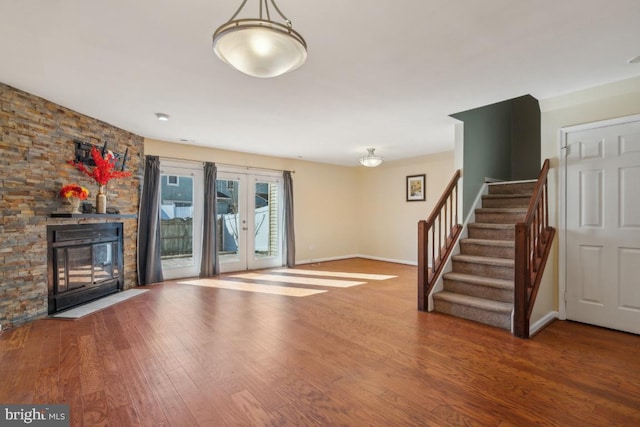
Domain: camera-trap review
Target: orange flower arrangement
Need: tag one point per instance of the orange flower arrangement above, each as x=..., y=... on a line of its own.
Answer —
x=104, y=169
x=70, y=191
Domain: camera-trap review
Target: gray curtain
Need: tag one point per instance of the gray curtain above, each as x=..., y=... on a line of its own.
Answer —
x=290, y=238
x=149, y=248
x=209, y=265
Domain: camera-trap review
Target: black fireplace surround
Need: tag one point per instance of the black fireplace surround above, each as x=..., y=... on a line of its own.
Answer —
x=85, y=262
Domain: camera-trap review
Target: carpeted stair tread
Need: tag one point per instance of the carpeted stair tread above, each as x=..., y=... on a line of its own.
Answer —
x=501, y=215
x=501, y=262
x=491, y=225
x=502, y=210
x=506, y=196
x=490, y=246
x=489, y=242
x=480, y=280
x=475, y=302
x=512, y=187
x=518, y=200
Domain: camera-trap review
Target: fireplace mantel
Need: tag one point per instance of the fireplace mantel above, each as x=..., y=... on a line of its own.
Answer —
x=83, y=215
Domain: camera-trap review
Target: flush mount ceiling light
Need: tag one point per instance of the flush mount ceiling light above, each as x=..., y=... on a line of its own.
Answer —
x=162, y=117
x=371, y=160
x=259, y=46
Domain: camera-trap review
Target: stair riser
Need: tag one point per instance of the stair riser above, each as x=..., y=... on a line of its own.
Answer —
x=479, y=291
x=500, y=320
x=490, y=234
x=486, y=270
x=487, y=250
x=512, y=202
x=525, y=187
x=499, y=218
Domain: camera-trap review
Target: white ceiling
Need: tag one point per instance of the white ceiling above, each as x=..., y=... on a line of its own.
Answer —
x=383, y=73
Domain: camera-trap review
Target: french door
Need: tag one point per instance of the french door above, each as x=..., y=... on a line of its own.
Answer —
x=249, y=219
x=181, y=193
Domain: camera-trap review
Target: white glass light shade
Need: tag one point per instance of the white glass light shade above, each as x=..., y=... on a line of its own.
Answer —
x=371, y=160
x=259, y=48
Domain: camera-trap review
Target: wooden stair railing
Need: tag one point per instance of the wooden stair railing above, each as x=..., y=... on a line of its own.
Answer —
x=532, y=247
x=439, y=232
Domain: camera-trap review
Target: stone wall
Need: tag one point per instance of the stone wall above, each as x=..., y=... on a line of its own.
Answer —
x=36, y=140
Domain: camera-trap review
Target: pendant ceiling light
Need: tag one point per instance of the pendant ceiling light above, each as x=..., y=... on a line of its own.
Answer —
x=259, y=46
x=371, y=160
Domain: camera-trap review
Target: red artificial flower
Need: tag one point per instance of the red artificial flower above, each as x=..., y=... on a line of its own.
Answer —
x=74, y=190
x=104, y=169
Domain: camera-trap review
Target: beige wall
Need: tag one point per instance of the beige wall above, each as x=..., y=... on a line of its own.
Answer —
x=343, y=211
x=325, y=203
x=609, y=101
x=326, y=211
x=388, y=223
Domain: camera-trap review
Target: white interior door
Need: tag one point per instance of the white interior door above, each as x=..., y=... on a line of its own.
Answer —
x=603, y=226
x=249, y=220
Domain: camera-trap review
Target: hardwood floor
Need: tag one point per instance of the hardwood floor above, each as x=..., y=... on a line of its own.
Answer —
x=184, y=355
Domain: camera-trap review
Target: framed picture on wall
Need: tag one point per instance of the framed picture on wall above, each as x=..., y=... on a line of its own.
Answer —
x=416, y=188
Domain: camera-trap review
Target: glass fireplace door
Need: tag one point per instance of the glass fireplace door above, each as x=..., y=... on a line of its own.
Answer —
x=86, y=265
x=84, y=262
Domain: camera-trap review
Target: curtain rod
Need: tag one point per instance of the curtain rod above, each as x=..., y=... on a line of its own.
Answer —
x=227, y=164
x=252, y=167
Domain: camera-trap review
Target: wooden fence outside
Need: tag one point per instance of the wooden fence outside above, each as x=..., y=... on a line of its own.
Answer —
x=176, y=237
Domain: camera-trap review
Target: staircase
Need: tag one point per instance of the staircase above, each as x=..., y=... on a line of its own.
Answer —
x=480, y=286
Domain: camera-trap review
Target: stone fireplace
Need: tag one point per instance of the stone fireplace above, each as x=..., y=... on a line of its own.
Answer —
x=37, y=139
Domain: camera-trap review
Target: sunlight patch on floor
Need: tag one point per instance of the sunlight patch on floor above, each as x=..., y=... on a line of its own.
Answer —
x=346, y=275
x=332, y=283
x=252, y=287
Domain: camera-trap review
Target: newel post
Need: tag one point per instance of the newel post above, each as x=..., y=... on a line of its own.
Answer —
x=520, y=318
x=423, y=266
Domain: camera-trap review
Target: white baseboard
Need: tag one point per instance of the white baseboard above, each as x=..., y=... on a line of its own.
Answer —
x=334, y=258
x=337, y=258
x=396, y=261
x=542, y=322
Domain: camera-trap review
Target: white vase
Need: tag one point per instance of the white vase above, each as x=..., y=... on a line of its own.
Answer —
x=75, y=205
